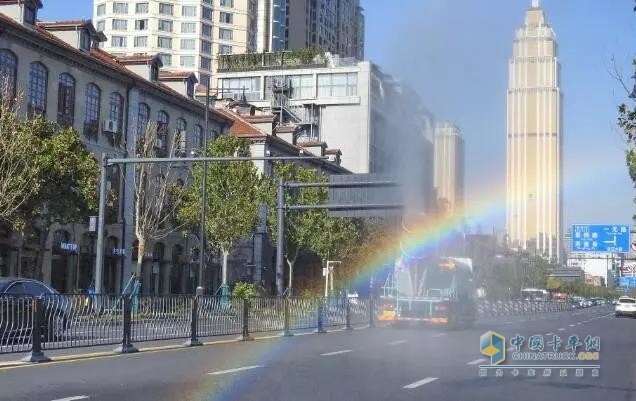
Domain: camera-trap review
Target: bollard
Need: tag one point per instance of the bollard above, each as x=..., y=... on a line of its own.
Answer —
x=286, y=331
x=371, y=312
x=245, y=336
x=36, y=355
x=126, y=346
x=348, y=315
x=194, y=341
x=320, y=329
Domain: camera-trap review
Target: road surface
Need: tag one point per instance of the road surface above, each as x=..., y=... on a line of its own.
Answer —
x=361, y=365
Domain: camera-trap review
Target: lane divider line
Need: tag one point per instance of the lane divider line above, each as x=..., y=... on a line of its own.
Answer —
x=477, y=361
x=223, y=372
x=344, y=351
x=397, y=342
x=75, y=398
x=420, y=383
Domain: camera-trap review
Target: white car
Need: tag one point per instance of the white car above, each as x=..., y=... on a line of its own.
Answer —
x=626, y=306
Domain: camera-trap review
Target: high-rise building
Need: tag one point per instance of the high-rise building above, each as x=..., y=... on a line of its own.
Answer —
x=272, y=25
x=449, y=166
x=534, y=215
x=187, y=35
x=333, y=25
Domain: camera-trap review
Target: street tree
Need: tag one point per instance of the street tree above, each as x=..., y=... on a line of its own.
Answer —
x=67, y=177
x=235, y=192
x=18, y=174
x=156, y=188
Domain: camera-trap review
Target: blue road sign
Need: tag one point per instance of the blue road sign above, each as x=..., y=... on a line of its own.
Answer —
x=605, y=238
x=627, y=282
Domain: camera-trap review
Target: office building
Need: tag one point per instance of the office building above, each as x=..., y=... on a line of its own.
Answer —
x=187, y=35
x=449, y=166
x=534, y=139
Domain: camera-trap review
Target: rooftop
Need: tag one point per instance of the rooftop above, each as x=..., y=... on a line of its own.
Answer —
x=302, y=58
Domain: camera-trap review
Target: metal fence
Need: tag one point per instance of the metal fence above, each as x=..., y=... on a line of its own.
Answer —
x=68, y=321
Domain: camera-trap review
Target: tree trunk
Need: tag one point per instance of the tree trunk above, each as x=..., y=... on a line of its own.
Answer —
x=39, y=261
x=224, y=268
x=291, y=262
x=140, y=256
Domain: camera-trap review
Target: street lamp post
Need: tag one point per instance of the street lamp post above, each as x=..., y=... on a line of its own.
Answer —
x=204, y=193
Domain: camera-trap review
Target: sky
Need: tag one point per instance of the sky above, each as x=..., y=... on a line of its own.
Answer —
x=455, y=53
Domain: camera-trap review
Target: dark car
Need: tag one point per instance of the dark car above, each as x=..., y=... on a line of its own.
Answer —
x=16, y=308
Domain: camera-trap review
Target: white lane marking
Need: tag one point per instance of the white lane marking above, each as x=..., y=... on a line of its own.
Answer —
x=571, y=325
x=420, y=383
x=561, y=329
x=578, y=324
x=397, y=342
x=477, y=361
x=549, y=334
x=223, y=372
x=511, y=349
x=439, y=335
x=344, y=351
x=77, y=397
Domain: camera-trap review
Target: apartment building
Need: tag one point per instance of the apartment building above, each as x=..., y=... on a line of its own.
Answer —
x=188, y=35
x=108, y=100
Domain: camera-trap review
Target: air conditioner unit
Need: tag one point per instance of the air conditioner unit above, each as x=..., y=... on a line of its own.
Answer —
x=109, y=126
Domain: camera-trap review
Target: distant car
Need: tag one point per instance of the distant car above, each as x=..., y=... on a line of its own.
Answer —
x=575, y=304
x=625, y=306
x=14, y=293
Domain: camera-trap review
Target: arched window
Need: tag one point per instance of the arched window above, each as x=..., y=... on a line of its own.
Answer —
x=143, y=116
x=198, y=137
x=66, y=100
x=182, y=137
x=116, y=113
x=8, y=73
x=162, y=130
x=38, y=83
x=93, y=105
x=158, y=252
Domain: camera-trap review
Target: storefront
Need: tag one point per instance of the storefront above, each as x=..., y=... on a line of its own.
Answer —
x=63, y=262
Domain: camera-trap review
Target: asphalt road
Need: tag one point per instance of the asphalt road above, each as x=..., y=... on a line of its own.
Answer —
x=370, y=364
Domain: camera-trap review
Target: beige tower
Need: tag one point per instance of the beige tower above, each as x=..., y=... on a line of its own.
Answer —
x=449, y=166
x=534, y=211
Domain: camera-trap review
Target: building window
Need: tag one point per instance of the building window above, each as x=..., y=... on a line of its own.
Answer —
x=198, y=137
x=141, y=24
x=101, y=10
x=181, y=131
x=141, y=8
x=163, y=120
x=116, y=112
x=189, y=11
x=120, y=8
x=226, y=18
x=227, y=3
x=141, y=41
x=187, y=61
x=120, y=24
x=190, y=88
x=101, y=25
x=236, y=87
x=188, y=27
x=118, y=41
x=208, y=2
x=225, y=49
x=93, y=103
x=166, y=59
x=206, y=47
x=85, y=41
x=66, y=100
x=154, y=72
x=206, y=63
x=165, y=25
x=38, y=82
x=225, y=34
x=8, y=73
x=143, y=116
x=207, y=13
x=204, y=79
x=253, y=7
x=206, y=30
x=337, y=85
x=166, y=9
x=164, y=42
x=188, y=44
